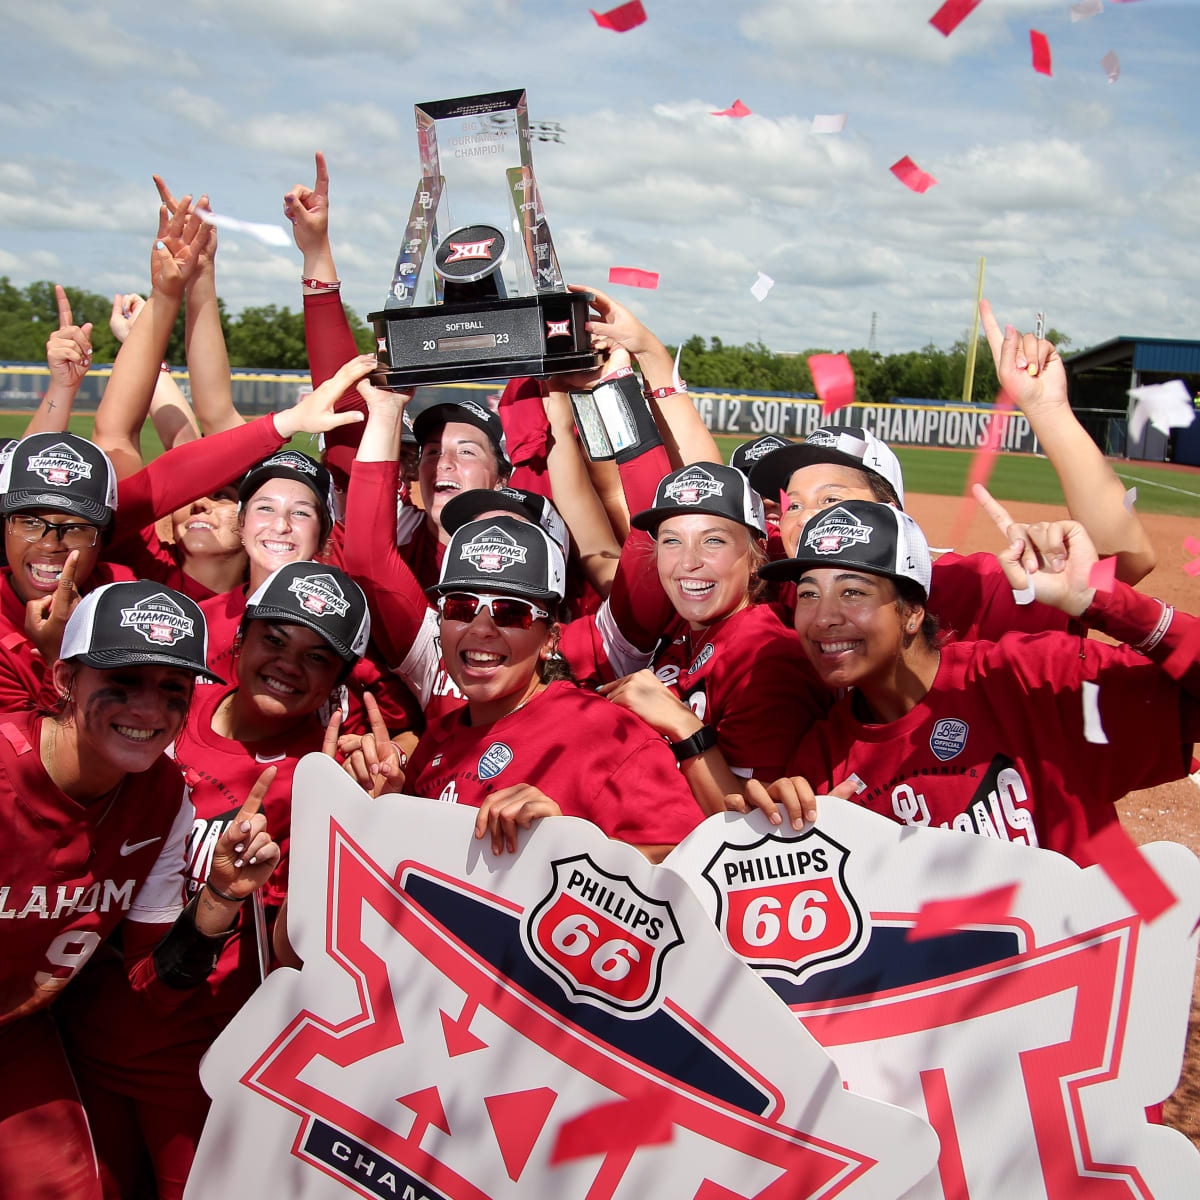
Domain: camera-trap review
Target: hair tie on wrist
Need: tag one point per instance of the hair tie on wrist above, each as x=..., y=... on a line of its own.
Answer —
x=216, y=891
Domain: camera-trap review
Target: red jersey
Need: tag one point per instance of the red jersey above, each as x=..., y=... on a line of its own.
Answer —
x=112, y=1033
x=747, y=676
x=223, y=615
x=71, y=872
x=998, y=745
x=593, y=759
x=973, y=600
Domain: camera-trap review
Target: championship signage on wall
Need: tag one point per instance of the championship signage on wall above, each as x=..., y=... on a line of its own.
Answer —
x=1032, y=1040
x=901, y=423
x=560, y=1023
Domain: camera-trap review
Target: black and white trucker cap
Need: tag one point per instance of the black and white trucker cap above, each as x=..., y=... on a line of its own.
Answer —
x=748, y=453
x=843, y=445
x=864, y=535
x=291, y=464
x=504, y=555
x=321, y=597
x=473, y=503
x=470, y=412
x=138, y=623
x=59, y=471
x=705, y=488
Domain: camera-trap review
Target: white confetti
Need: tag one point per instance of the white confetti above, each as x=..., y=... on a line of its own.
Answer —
x=1025, y=595
x=761, y=286
x=1130, y=499
x=1166, y=406
x=1085, y=9
x=829, y=123
x=676, y=378
x=1093, y=730
x=1112, y=64
x=271, y=235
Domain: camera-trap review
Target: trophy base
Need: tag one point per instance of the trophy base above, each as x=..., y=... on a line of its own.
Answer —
x=483, y=339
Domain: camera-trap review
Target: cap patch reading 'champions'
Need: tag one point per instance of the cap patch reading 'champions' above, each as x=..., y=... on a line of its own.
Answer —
x=320, y=593
x=765, y=445
x=492, y=550
x=693, y=486
x=59, y=465
x=298, y=462
x=158, y=619
x=834, y=530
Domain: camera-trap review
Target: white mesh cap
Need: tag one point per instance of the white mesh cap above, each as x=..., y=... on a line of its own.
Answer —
x=871, y=537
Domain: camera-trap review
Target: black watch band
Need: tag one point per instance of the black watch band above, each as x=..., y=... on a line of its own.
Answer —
x=705, y=738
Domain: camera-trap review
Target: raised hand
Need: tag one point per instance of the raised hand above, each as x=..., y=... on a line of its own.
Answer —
x=307, y=208
x=1045, y=542
x=69, y=349
x=46, y=616
x=372, y=759
x=1029, y=369
x=617, y=323
x=314, y=412
x=245, y=855
x=1068, y=587
x=207, y=240
x=175, y=258
x=125, y=311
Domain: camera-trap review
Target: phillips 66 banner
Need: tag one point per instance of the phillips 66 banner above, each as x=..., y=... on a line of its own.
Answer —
x=1031, y=1023
x=564, y=1022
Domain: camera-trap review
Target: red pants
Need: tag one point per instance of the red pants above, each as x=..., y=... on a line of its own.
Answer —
x=45, y=1147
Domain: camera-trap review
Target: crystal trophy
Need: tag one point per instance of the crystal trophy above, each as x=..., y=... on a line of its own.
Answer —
x=477, y=292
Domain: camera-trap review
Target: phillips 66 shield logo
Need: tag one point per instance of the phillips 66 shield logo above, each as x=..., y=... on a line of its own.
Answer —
x=600, y=937
x=783, y=904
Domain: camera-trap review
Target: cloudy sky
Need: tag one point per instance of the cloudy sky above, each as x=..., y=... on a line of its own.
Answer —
x=1083, y=195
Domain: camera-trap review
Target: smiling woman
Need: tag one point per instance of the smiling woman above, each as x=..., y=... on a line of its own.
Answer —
x=93, y=820
x=499, y=594
x=302, y=632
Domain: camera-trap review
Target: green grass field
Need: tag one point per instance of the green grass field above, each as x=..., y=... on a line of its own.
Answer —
x=1030, y=477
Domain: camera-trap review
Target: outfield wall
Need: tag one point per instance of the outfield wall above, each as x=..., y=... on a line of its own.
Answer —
x=902, y=423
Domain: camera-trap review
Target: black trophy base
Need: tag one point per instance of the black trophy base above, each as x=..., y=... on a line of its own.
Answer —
x=483, y=339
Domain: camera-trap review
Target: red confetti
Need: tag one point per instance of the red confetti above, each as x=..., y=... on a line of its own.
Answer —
x=911, y=175
x=622, y=18
x=833, y=379
x=1193, y=567
x=1133, y=876
x=1191, y=544
x=622, y=1125
x=939, y=917
x=981, y=465
x=784, y=502
x=736, y=109
x=1103, y=574
x=1041, y=52
x=948, y=18
x=632, y=277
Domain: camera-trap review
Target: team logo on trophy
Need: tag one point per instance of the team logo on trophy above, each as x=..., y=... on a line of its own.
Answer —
x=480, y=300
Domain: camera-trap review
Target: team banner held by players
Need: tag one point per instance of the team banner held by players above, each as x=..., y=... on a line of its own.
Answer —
x=560, y=1023
x=1031, y=1037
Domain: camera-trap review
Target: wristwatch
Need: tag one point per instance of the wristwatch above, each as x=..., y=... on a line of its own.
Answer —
x=705, y=738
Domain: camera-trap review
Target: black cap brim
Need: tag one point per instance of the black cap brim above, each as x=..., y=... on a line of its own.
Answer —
x=649, y=519
x=107, y=660
x=78, y=506
x=283, y=616
x=440, y=414
x=470, y=505
x=770, y=475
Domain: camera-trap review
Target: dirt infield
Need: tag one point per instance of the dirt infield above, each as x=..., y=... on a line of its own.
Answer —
x=1168, y=813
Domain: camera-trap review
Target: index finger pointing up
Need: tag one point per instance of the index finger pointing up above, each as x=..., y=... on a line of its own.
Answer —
x=993, y=508
x=991, y=328
x=322, y=184
x=257, y=794
x=64, y=307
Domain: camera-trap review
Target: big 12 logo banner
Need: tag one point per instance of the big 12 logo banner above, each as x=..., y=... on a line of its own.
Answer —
x=1032, y=1040
x=456, y=1010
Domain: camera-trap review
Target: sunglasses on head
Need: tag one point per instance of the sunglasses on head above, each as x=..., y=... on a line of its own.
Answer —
x=507, y=612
